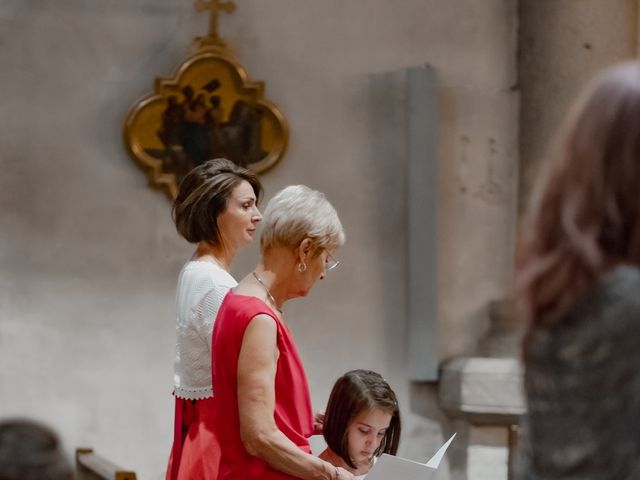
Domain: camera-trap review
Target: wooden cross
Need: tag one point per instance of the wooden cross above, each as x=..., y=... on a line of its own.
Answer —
x=214, y=7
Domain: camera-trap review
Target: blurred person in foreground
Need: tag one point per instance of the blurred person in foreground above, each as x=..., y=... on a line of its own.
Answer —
x=578, y=287
x=31, y=451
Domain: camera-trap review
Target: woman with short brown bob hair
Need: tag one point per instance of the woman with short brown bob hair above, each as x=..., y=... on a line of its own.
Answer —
x=362, y=421
x=203, y=196
x=216, y=209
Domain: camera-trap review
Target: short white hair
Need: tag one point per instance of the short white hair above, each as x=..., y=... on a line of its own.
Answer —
x=298, y=212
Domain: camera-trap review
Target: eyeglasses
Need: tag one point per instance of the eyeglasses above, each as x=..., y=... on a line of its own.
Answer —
x=331, y=262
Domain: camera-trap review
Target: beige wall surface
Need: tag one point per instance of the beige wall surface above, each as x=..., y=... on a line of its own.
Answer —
x=562, y=45
x=89, y=256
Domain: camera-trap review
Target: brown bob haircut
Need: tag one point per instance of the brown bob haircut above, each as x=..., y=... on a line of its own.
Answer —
x=356, y=392
x=202, y=197
x=584, y=217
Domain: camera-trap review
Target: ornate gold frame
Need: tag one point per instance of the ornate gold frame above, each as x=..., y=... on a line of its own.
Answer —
x=211, y=66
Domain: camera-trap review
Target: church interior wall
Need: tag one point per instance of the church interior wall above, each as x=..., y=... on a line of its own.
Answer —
x=562, y=45
x=89, y=256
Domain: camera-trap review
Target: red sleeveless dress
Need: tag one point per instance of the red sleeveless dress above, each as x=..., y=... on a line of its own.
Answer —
x=293, y=414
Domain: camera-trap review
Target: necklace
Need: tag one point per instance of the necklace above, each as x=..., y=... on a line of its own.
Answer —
x=273, y=300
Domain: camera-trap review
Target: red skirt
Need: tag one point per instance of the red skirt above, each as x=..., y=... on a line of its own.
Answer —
x=196, y=452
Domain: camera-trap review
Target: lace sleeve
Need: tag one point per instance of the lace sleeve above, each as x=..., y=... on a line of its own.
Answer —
x=207, y=311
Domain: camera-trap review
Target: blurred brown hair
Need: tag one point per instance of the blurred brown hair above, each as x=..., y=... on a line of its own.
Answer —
x=31, y=451
x=584, y=216
x=202, y=197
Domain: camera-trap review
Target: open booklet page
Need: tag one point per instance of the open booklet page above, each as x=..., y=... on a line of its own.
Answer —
x=389, y=467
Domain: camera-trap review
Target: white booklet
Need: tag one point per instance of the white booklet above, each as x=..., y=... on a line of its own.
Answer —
x=389, y=467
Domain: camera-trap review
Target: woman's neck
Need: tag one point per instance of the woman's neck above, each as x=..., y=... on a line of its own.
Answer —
x=277, y=274
x=217, y=254
x=273, y=284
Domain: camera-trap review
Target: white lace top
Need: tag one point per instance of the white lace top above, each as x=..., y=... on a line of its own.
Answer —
x=201, y=288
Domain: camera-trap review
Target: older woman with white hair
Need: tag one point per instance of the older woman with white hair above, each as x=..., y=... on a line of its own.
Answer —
x=263, y=405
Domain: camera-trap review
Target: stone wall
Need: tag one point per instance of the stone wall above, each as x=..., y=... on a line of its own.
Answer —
x=562, y=45
x=89, y=257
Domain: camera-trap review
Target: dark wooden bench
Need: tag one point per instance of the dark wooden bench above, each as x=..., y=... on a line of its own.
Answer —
x=91, y=466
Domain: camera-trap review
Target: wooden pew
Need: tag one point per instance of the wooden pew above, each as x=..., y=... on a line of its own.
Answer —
x=91, y=466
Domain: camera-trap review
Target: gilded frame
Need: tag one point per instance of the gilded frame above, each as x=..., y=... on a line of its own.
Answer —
x=170, y=131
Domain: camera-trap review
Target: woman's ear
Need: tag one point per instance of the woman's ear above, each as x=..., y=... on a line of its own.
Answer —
x=304, y=249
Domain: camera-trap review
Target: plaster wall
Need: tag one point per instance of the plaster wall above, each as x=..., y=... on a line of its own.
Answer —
x=88, y=253
x=562, y=45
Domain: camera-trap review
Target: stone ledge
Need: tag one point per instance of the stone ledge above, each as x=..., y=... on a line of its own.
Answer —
x=482, y=390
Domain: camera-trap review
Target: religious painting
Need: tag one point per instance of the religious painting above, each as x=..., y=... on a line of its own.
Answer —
x=207, y=109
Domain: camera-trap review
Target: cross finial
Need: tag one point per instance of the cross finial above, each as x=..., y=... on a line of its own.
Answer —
x=214, y=7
